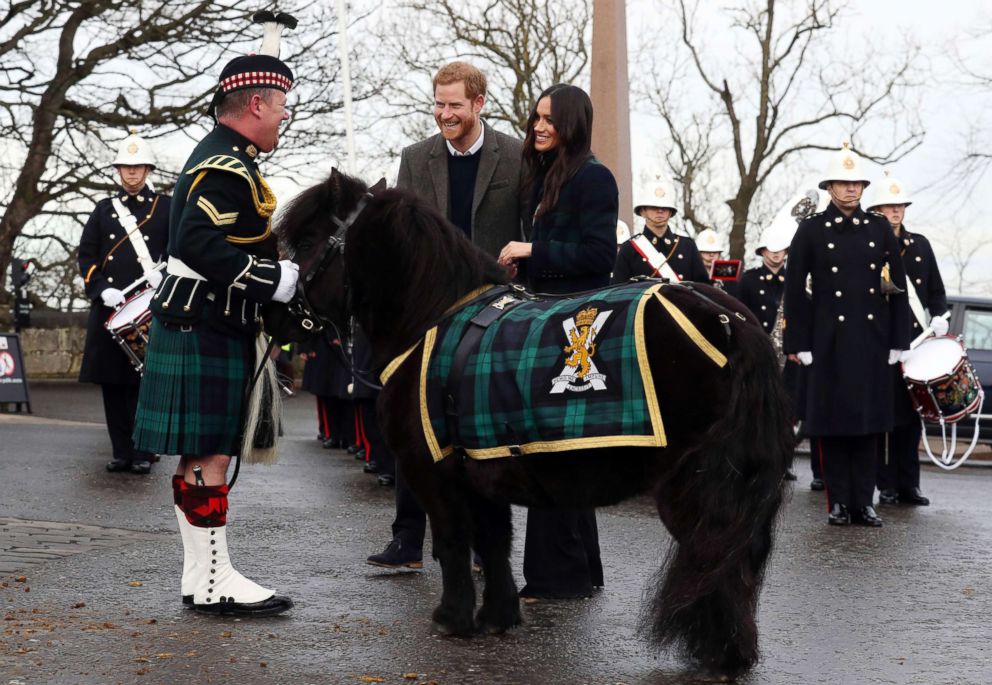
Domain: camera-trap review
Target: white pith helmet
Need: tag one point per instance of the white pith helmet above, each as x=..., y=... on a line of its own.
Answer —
x=134, y=150
x=657, y=193
x=709, y=240
x=845, y=165
x=623, y=232
x=889, y=191
x=777, y=236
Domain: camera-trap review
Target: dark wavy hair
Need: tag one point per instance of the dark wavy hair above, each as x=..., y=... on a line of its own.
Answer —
x=571, y=112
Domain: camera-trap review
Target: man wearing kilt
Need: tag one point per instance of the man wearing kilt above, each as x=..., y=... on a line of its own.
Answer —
x=206, y=320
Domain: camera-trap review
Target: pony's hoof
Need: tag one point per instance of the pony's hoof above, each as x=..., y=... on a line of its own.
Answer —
x=452, y=626
x=496, y=621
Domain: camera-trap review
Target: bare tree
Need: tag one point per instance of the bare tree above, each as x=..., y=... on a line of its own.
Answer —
x=964, y=248
x=76, y=75
x=785, y=95
x=523, y=46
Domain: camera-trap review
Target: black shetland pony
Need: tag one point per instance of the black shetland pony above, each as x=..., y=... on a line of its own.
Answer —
x=718, y=484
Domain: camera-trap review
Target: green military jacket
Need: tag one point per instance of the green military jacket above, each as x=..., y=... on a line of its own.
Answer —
x=222, y=256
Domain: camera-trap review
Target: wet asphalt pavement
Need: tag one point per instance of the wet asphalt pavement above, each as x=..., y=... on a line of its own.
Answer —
x=908, y=603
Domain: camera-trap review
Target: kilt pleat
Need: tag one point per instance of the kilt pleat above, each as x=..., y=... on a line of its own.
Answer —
x=192, y=391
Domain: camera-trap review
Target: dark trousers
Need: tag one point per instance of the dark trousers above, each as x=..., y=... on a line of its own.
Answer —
x=899, y=466
x=371, y=437
x=341, y=420
x=848, y=464
x=120, y=402
x=410, y=523
x=561, y=553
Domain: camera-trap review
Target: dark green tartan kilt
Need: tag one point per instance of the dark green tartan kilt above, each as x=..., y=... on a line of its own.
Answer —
x=192, y=391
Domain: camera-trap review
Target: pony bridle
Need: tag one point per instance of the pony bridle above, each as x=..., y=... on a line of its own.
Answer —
x=299, y=307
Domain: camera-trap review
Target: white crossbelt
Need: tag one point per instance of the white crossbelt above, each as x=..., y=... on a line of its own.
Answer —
x=915, y=305
x=657, y=262
x=130, y=225
x=177, y=267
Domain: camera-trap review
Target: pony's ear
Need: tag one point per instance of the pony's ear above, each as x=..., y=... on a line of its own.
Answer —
x=334, y=180
x=379, y=185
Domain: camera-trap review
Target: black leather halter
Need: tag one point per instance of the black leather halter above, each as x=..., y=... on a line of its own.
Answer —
x=299, y=307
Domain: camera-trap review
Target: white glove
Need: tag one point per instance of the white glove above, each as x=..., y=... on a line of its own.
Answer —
x=288, y=275
x=154, y=277
x=939, y=326
x=894, y=356
x=805, y=358
x=111, y=297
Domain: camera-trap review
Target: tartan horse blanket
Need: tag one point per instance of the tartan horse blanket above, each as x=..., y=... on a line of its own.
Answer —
x=548, y=375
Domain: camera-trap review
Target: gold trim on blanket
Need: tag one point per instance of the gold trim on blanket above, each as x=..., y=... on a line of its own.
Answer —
x=425, y=420
x=715, y=355
x=391, y=367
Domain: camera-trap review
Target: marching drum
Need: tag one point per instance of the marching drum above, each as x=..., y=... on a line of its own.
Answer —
x=944, y=389
x=129, y=326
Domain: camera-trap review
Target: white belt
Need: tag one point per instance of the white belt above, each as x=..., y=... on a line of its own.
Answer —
x=177, y=267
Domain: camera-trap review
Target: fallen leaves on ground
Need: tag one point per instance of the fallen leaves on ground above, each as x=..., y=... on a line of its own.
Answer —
x=134, y=583
x=372, y=679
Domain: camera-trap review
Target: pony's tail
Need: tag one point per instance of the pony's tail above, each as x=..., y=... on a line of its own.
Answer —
x=263, y=411
x=720, y=503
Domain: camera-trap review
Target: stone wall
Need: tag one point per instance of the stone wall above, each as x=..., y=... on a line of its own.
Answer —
x=52, y=352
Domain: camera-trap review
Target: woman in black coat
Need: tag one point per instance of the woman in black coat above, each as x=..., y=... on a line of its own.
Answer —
x=574, y=203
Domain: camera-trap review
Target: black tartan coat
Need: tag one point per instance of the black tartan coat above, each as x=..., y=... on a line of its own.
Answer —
x=107, y=260
x=848, y=323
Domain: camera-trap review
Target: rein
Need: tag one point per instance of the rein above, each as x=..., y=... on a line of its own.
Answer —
x=302, y=311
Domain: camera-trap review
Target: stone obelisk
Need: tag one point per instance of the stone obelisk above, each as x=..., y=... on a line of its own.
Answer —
x=610, y=96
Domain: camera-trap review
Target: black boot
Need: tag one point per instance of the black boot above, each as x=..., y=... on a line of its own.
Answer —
x=839, y=516
x=866, y=516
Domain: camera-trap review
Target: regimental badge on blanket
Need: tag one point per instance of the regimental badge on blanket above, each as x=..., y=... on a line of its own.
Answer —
x=580, y=373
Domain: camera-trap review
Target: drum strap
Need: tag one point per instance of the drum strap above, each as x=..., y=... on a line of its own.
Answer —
x=915, y=305
x=660, y=264
x=130, y=225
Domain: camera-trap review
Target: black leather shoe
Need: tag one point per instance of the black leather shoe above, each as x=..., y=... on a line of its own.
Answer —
x=914, y=496
x=371, y=467
x=360, y=454
x=267, y=607
x=817, y=484
x=839, y=515
x=866, y=516
x=396, y=556
x=386, y=480
x=141, y=467
x=118, y=465
x=327, y=444
x=353, y=448
x=888, y=496
x=789, y=475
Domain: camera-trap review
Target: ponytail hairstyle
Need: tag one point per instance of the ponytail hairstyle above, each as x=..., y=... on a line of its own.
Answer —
x=571, y=114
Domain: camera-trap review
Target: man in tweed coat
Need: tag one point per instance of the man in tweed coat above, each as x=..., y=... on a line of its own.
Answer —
x=471, y=174
x=201, y=351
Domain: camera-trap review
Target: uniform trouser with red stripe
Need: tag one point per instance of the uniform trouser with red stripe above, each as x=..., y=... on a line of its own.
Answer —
x=848, y=464
x=900, y=468
x=371, y=437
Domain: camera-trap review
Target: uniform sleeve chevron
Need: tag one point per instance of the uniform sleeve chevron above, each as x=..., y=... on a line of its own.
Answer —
x=218, y=218
x=221, y=163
